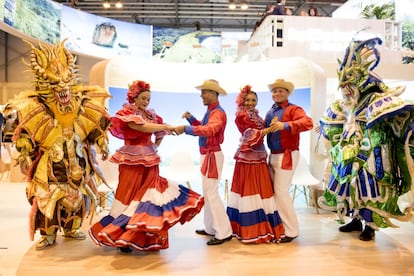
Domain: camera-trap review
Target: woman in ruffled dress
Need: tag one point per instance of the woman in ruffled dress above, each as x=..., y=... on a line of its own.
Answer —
x=146, y=205
x=251, y=206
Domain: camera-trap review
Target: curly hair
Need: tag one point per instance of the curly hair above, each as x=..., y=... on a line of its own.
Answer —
x=136, y=88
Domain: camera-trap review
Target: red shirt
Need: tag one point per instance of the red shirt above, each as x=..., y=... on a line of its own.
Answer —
x=287, y=140
x=210, y=130
x=211, y=135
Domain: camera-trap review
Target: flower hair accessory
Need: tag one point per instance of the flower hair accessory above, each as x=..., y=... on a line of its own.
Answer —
x=242, y=95
x=136, y=88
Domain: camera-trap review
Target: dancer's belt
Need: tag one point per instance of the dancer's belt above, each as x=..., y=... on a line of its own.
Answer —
x=209, y=166
x=287, y=158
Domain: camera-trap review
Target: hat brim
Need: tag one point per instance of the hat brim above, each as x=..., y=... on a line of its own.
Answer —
x=286, y=85
x=214, y=88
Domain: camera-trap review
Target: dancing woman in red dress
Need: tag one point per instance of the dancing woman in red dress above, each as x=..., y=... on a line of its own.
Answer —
x=146, y=205
x=251, y=207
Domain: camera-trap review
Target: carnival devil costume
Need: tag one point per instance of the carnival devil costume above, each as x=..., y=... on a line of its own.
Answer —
x=369, y=131
x=57, y=126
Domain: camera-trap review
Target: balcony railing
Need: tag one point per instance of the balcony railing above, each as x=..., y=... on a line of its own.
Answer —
x=320, y=39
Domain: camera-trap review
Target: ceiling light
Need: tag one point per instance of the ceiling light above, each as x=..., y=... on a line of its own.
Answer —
x=106, y=4
x=244, y=5
x=232, y=5
x=118, y=4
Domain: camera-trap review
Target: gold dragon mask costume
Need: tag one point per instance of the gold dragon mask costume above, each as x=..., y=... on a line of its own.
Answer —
x=57, y=127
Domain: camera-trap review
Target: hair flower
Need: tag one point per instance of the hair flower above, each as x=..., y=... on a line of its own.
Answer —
x=136, y=88
x=242, y=95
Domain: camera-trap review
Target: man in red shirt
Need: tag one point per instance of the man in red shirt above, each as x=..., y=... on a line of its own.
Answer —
x=211, y=135
x=291, y=120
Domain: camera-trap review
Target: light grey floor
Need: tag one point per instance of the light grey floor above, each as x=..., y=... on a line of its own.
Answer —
x=320, y=250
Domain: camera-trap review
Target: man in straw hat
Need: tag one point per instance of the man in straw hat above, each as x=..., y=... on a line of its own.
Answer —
x=284, y=146
x=211, y=134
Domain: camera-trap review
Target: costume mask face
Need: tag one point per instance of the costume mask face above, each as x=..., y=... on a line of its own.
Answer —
x=55, y=72
x=355, y=71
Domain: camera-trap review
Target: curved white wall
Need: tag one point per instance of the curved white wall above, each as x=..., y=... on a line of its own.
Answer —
x=179, y=78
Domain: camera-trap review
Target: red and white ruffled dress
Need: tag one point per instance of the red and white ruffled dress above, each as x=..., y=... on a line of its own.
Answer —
x=146, y=205
x=251, y=206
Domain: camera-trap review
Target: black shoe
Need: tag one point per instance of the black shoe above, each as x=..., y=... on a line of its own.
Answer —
x=203, y=232
x=125, y=249
x=215, y=241
x=354, y=225
x=368, y=234
x=286, y=239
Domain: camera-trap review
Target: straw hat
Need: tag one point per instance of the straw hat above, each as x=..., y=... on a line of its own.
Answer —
x=212, y=85
x=283, y=84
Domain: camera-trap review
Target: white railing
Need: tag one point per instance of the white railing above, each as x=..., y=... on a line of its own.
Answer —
x=320, y=39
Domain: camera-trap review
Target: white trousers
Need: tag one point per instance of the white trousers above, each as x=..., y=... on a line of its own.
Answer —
x=216, y=221
x=282, y=179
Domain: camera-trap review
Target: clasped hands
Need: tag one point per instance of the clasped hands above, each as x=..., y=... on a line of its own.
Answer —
x=175, y=130
x=276, y=125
